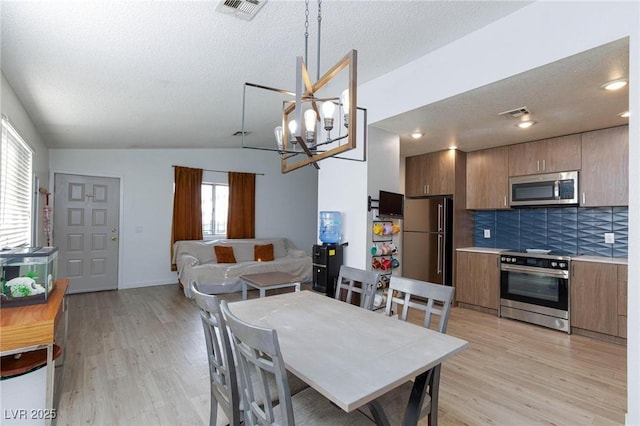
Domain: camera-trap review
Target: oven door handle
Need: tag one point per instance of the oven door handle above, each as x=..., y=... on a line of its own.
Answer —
x=539, y=271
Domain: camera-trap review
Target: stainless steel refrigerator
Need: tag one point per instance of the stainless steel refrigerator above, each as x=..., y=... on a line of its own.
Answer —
x=427, y=239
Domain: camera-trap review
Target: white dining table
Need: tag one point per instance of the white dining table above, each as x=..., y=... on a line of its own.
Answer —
x=348, y=354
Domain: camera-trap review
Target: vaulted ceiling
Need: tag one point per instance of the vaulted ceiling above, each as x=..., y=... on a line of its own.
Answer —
x=170, y=74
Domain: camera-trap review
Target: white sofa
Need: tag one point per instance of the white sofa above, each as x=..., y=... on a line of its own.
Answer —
x=196, y=262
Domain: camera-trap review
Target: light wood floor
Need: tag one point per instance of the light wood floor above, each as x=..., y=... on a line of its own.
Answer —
x=137, y=357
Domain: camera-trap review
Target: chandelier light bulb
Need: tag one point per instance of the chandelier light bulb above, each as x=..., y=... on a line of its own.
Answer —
x=293, y=128
x=278, y=134
x=310, y=119
x=328, y=108
x=344, y=98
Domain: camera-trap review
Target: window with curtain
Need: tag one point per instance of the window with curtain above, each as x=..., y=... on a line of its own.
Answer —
x=215, y=203
x=16, y=188
x=241, y=218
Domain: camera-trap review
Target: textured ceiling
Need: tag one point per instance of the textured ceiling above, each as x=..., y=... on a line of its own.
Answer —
x=563, y=97
x=170, y=74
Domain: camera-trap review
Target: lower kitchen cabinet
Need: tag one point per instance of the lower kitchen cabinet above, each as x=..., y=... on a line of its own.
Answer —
x=597, y=297
x=622, y=300
x=478, y=280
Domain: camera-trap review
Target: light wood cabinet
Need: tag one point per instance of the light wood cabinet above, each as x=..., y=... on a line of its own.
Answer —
x=604, y=178
x=488, y=179
x=622, y=300
x=430, y=174
x=478, y=279
x=413, y=178
x=594, y=297
x=546, y=156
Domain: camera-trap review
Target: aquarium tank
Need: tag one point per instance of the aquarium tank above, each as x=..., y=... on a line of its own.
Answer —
x=27, y=275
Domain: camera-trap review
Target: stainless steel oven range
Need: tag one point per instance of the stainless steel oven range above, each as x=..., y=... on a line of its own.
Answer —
x=534, y=287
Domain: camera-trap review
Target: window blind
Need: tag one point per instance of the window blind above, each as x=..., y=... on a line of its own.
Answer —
x=16, y=170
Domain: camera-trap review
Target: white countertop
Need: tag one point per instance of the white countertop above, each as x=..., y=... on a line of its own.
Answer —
x=482, y=250
x=597, y=259
x=600, y=259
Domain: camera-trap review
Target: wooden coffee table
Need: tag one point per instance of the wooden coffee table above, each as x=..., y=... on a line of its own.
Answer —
x=269, y=281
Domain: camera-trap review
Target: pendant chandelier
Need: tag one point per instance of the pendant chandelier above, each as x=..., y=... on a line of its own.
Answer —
x=318, y=120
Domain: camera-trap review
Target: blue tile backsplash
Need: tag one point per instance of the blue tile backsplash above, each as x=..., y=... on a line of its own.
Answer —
x=565, y=229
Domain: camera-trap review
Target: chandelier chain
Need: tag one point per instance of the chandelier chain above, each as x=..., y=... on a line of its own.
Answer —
x=306, y=32
x=319, y=34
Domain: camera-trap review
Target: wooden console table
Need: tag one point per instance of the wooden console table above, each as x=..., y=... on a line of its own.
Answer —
x=29, y=328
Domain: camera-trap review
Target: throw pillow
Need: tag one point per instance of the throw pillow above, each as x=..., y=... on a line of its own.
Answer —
x=263, y=253
x=224, y=254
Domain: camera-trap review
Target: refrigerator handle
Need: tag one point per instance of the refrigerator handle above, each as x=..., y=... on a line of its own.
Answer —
x=439, y=261
x=440, y=211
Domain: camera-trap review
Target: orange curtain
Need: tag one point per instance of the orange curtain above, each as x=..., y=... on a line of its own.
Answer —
x=187, y=210
x=241, y=216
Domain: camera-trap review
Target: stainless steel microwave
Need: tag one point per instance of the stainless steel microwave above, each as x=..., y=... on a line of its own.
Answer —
x=544, y=190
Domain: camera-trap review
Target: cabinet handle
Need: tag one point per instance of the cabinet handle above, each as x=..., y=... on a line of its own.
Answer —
x=505, y=200
x=544, y=165
x=584, y=198
x=427, y=189
x=538, y=163
x=440, y=257
x=424, y=189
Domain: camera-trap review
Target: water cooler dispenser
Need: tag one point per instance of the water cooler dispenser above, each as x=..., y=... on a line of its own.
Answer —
x=328, y=257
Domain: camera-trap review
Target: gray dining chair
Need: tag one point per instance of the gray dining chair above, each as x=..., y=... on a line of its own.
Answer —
x=259, y=359
x=222, y=369
x=423, y=296
x=349, y=277
x=223, y=375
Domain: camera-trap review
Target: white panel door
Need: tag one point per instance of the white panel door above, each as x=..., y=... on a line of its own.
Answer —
x=86, y=228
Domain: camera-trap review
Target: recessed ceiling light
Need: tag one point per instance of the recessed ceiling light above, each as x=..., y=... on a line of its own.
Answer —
x=452, y=147
x=525, y=124
x=416, y=135
x=624, y=114
x=614, y=84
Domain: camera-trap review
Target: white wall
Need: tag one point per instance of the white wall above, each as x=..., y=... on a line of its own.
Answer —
x=383, y=164
x=536, y=35
x=344, y=185
x=285, y=204
x=20, y=120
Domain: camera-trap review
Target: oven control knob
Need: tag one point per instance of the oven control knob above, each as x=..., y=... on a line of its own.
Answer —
x=513, y=260
x=502, y=259
x=563, y=265
x=554, y=264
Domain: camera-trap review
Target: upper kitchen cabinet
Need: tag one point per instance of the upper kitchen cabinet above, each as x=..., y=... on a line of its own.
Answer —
x=431, y=174
x=488, y=179
x=604, y=178
x=546, y=156
x=413, y=178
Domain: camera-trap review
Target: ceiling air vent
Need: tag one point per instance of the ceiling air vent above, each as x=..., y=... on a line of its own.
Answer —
x=515, y=113
x=243, y=9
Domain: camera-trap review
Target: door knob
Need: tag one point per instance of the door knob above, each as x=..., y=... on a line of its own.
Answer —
x=114, y=238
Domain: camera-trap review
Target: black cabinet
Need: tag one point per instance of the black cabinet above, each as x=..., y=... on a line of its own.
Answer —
x=327, y=260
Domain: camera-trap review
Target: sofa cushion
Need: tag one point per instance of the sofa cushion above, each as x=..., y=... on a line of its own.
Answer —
x=263, y=253
x=224, y=254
